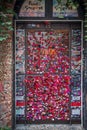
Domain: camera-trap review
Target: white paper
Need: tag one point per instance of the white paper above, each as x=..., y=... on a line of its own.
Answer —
x=76, y=111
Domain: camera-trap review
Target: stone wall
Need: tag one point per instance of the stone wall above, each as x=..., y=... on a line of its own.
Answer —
x=6, y=82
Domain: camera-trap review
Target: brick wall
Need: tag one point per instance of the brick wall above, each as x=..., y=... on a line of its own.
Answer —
x=6, y=82
x=6, y=69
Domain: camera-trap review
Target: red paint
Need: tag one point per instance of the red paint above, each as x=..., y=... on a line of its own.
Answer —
x=20, y=103
x=76, y=104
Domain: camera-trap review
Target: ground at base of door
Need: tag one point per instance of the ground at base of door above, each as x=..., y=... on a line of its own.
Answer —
x=49, y=127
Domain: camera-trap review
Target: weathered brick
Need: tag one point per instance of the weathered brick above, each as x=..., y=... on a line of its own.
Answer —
x=6, y=79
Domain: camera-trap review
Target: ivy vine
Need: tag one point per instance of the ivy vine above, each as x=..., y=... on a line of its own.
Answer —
x=5, y=21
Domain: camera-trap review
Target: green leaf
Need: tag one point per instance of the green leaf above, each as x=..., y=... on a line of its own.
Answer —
x=3, y=14
x=9, y=28
x=3, y=24
x=8, y=23
x=6, y=128
x=2, y=38
x=9, y=11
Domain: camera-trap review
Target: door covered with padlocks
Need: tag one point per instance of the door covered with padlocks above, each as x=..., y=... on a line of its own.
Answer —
x=48, y=73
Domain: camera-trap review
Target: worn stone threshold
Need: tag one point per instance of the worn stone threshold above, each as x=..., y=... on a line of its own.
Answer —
x=49, y=127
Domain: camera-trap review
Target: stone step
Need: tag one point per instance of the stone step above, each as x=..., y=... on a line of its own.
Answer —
x=49, y=127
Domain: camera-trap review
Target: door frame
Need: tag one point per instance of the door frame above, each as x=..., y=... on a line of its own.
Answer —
x=14, y=90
